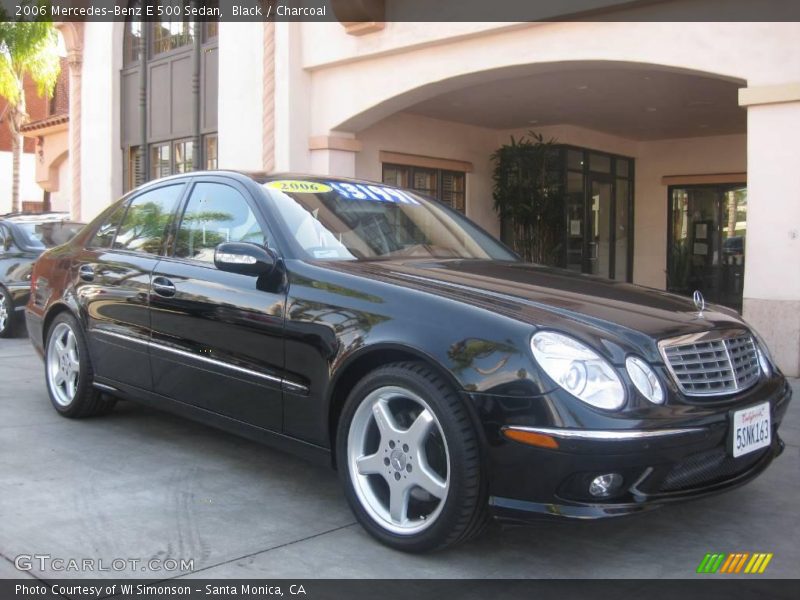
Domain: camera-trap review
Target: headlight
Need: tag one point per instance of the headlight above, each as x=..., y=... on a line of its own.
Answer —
x=578, y=369
x=645, y=380
x=763, y=361
x=764, y=357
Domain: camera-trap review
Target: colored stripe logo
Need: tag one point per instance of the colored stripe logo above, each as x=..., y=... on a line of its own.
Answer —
x=735, y=563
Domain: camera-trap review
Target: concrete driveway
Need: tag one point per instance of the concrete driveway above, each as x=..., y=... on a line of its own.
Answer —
x=140, y=484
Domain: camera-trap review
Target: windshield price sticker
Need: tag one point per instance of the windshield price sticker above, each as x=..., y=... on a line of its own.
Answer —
x=298, y=186
x=375, y=193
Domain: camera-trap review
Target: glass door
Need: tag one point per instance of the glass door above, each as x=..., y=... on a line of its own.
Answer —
x=706, y=242
x=599, y=198
x=600, y=230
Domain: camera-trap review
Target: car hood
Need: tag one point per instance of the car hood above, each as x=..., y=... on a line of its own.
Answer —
x=545, y=296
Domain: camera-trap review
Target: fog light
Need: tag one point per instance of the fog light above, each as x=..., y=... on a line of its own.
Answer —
x=605, y=485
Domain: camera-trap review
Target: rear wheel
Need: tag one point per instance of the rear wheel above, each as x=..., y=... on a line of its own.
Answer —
x=69, y=373
x=6, y=314
x=409, y=460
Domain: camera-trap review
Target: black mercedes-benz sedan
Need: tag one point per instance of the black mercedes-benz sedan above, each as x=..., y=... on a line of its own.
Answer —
x=383, y=333
x=23, y=237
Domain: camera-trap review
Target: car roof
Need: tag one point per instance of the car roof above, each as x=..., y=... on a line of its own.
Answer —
x=259, y=177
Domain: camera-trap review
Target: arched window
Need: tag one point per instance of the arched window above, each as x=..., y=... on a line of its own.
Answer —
x=169, y=96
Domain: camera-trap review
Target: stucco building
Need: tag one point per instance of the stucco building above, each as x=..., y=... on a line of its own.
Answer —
x=39, y=185
x=678, y=140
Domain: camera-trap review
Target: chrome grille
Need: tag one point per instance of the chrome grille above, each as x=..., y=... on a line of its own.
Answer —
x=712, y=363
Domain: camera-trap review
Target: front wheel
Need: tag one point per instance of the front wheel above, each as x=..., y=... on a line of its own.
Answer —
x=409, y=460
x=68, y=371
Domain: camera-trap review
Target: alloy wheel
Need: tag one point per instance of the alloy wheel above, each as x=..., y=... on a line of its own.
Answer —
x=398, y=460
x=63, y=364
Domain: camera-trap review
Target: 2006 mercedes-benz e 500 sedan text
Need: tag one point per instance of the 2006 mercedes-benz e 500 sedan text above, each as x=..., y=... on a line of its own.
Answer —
x=368, y=327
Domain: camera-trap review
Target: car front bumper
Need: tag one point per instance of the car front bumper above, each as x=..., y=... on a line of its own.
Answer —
x=658, y=466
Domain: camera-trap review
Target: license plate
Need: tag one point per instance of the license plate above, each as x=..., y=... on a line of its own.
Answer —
x=751, y=429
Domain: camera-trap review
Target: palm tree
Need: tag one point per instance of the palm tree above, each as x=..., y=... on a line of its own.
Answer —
x=27, y=49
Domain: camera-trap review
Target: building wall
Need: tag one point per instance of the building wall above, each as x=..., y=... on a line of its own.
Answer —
x=239, y=97
x=694, y=156
x=28, y=190
x=377, y=78
x=101, y=157
x=37, y=109
x=329, y=85
x=59, y=200
x=412, y=134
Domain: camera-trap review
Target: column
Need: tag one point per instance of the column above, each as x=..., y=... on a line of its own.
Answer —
x=334, y=155
x=772, y=269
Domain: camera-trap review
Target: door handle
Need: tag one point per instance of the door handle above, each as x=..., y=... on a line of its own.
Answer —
x=86, y=272
x=163, y=287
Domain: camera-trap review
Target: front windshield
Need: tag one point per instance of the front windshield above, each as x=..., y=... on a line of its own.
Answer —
x=337, y=220
x=48, y=234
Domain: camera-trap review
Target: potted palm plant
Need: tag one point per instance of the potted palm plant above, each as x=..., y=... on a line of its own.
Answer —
x=528, y=196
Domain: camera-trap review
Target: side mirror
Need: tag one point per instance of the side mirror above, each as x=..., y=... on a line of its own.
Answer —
x=244, y=258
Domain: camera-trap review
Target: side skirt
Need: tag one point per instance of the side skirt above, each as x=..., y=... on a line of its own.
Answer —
x=310, y=452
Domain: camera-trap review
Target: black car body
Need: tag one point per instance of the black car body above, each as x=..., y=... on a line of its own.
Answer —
x=281, y=353
x=23, y=237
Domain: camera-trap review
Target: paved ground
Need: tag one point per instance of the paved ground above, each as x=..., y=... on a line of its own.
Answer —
x=142, y=484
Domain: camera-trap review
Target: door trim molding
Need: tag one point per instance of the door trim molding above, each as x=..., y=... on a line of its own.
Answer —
x=290, y=385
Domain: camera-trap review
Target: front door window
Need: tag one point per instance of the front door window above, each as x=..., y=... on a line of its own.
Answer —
x=706, y=246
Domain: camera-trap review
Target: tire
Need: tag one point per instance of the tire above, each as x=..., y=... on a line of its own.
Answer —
x=7, y=314
x=68, y=371
x=415, y=480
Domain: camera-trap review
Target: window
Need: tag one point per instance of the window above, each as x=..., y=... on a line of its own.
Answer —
x=132, y=41
x=211, y=152
x=184, y=156
x=168, y=41
x=135, y=168
x=159, y=161
x=48, y=234
x=147, y=218
x=211, y=28
x=170, y=35
x=425, y=181
x=454, y=190
x=216, y=213
x=449, y=187
x=349, y=221
x=598, y=195
x=104, y=235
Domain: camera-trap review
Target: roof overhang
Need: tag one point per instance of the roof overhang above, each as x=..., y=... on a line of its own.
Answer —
x=43, y=127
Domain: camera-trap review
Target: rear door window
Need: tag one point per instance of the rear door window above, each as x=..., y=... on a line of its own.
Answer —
x=104, y=236
x=145, y=224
